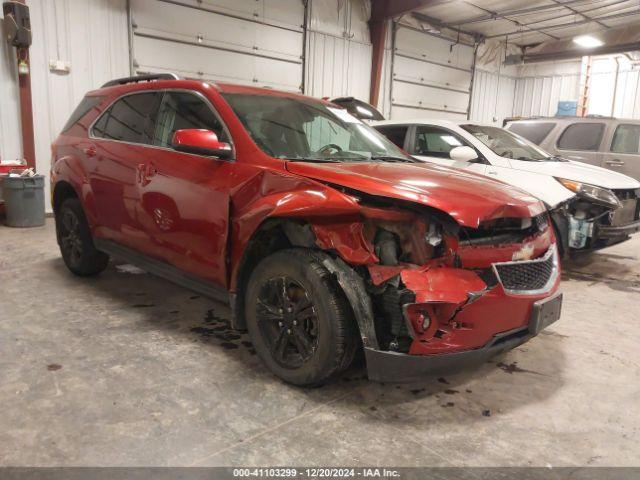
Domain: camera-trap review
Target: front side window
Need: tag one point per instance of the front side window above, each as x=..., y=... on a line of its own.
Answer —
x=535, y=132
x=130, y=119
x=183, y=110
x=435, y=142
x=506, y=144
x=626, y=139
x=308, y=130
x=581, y=136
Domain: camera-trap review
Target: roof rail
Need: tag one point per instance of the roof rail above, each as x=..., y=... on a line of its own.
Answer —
x=141, y=78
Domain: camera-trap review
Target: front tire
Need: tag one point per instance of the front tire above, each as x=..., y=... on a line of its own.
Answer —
x=74, y=238
x=298, y=319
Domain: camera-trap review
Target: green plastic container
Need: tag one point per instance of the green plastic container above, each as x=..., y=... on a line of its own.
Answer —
x=24, y=201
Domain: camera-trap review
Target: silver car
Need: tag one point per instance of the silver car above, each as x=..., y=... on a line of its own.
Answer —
x=607, y=142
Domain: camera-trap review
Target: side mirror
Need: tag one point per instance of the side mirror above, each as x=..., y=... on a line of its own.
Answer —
x=201, y=142
x=463, y=154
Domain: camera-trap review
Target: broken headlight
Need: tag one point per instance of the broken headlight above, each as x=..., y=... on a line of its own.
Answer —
x=600, y=195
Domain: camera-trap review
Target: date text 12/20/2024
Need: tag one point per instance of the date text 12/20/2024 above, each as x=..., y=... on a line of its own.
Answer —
x=315, y=473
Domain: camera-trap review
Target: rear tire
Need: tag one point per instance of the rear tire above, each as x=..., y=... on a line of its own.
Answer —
x=298, y=319
x=74, y=238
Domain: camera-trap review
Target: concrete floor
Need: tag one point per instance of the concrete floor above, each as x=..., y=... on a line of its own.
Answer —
x=128, y=370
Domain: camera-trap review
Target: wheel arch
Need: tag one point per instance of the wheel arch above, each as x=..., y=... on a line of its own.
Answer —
x=279, y=233
x=61, y=192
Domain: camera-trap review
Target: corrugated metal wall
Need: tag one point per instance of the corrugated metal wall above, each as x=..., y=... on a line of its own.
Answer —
x=614, y=88
x=338, y=53
x=92, y=36
x=539, y=87
x=493, y=96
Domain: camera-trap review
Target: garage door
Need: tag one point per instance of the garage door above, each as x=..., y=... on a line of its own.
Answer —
x=431, y=76
x=253, y=43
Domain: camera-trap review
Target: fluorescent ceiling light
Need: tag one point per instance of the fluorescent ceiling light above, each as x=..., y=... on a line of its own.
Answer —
x=587, y=41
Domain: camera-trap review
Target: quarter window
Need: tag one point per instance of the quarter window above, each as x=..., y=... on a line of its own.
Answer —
x=626, y=139
x=180, y=111
x=81, y=110
x=435, y=142
x=130, y=119
x=581, y=136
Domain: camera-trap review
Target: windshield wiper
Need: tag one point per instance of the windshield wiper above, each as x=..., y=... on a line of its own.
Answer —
x=391, y=158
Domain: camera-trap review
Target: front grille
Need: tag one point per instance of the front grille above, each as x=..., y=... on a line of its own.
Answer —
x=626, y=194
x=625, y=214
x=528, y=276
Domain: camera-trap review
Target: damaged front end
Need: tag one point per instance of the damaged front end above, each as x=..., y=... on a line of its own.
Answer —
x=431, y=295
x=597, y=217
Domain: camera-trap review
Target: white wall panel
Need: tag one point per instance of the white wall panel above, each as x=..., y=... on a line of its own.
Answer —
x=539, y=96
x=627, y=103
x=10, y=132
x=338, y=54
x=614, y=88
x=492, y=97
x=540, y=86
x=337, y=67
x=256, y=42
x=92, y=36
x=431, y=75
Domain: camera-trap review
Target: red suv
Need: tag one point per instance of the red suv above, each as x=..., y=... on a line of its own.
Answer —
x=321, y=234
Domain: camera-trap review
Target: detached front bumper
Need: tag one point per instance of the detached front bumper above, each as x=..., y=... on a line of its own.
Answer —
x=386, y=366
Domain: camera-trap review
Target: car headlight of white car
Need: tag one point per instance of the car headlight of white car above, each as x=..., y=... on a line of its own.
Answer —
x=600, y=195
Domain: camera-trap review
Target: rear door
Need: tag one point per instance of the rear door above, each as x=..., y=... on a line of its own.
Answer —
x=120, y=140
x=185, y=197
x=581, y=141
x=433, y=144
x=622, y=151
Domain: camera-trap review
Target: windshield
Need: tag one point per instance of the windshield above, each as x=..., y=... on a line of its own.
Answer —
x=507, y=144
x=307, y=130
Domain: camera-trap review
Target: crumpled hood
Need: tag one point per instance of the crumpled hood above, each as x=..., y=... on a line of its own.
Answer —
x=466, y=196
x=579, y=172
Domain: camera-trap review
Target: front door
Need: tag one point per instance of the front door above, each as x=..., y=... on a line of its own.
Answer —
x=185, y=197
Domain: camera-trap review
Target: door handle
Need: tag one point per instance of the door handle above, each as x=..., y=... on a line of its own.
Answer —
x=91, y=151
x=492, y=172
x=614, y=163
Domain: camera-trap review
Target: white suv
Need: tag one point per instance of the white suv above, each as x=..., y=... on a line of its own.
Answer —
x=591, y=207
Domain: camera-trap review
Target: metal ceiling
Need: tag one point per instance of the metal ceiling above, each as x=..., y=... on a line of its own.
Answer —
x=529, y=22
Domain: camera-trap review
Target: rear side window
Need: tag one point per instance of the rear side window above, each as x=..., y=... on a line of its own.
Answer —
x=81, y=110
x=626, y=139
x=535, y=132
x=395, y=133
x=581, y=136
x=181, y=111
x=130, y=119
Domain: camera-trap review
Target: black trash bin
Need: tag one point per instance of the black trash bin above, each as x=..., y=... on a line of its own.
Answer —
x=24, y=201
